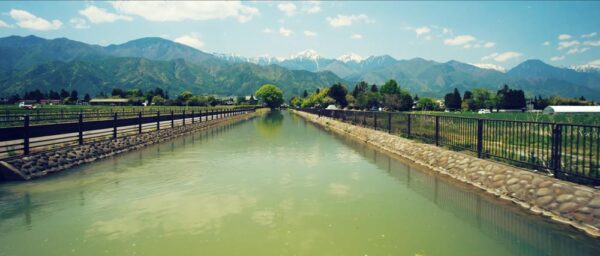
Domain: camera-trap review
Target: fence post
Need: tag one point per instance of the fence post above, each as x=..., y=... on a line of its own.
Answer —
x=200, y=114
x=115, y=125
x=184, y=118
x=479, y=138
x=80, y=126
x=140, y=122
x=408, y=126
x=437, y=130
x=389, y=122
x=26, y=135
x=158, y=120
x=375, y=120
x=192, y=116
x=556, y=148
x=172, y=119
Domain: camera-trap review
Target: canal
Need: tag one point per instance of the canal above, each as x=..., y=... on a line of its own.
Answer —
x=274, y=185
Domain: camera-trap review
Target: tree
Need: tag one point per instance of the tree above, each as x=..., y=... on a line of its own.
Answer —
x=338, y=93
x=63, y=94
x=406, y=101
x=158, y=100
x=183, y=98
x=507, y=98
x=374, y=88
x=368, y=100
x=87, y=98
x=482, y=99
x=116, y=92
x=425, y=103
x=53, y=95
x=452, y=100
x=359, y=89
x=296, y=101
x=304, y=94
x=390, y=87
x=74, y=96
x=271, y=95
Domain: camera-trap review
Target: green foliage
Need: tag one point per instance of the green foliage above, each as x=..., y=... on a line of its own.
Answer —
x=368, y=100
x=296, y=101
x=453, y=100
x=507, y=98
x=390, y=88
x=426, y=103
x=271, y=95
x=158, y=100
x=318, y=99
x=338, y=93
x=360, y=88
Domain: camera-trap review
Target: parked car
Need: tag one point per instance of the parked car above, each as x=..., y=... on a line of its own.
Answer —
x=484, y=111
x=332, y=107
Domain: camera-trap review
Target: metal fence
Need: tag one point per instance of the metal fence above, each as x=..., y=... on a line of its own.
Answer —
x=568, y=151
x=27, y=138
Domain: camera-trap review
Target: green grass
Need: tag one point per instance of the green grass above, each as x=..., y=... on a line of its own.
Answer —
x=588, y=119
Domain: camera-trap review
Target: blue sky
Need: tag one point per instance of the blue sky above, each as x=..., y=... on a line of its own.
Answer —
x=495, y=33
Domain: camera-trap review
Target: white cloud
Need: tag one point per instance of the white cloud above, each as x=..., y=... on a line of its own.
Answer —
x=564, y=37
x=343, y=20
x=311, y=7
x=79, y=23
x=546, y=43
x=489, y=45
x=593, y=34
x=27, y=20
x=577, y=50
x=99, y=15
x=446, y=31
x=309, y=33
x=4, y=24
x=557, y=58
x=592, y=43
x=422, y=31
x=187, y=10
x=567, y=44
x=285, y=32
x=502, y=57
x=192, y=40
x=459, y=40
x=467, y=46
x=356, y=36
x=267, y=30
x=595, y=62
x=288, y=8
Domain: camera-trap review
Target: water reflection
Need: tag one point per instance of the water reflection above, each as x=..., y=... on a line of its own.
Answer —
x=270, y=124
x=510, y=225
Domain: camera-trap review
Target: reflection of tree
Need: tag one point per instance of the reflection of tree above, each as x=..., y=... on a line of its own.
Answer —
x=270, y=124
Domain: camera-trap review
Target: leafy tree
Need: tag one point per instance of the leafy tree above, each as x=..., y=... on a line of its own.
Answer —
x=452, y=100
x=416, y=98
x=338, y=93
x=510, y=99
x=390, y=87
x=369, y=100
x=53, y=95
x=158, y=100
x=87, y=98
x=425, y=103
x=183, y=98
x=304, y=94
x=116, y=92
x=271, y=95
x=74, y=96
x=317, y=91
x=63, y=94
x=320, y=99
x=482, y=99
x=359, y=89
x=240, y=100
x=405, y=102
x=468, y=95
x=374, y=88
x=296, y=101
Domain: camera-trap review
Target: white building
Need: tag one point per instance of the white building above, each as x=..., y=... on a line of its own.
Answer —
x=571, y=109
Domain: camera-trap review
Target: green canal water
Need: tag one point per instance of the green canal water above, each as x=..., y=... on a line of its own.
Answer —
x=274, y=185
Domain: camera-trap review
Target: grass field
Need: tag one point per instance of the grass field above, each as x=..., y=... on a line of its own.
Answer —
x=588, y=119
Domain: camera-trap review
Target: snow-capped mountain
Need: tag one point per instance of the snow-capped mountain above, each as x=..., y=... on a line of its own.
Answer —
x=588, y=68
x=351, y=57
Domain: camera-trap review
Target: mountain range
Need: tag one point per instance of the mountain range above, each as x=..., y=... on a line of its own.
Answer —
x=31, y=62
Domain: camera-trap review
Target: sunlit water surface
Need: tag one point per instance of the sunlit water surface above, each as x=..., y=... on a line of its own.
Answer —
x=275, y=185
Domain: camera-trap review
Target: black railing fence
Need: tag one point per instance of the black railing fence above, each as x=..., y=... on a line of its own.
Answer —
x=568, y=151
x=28, y=138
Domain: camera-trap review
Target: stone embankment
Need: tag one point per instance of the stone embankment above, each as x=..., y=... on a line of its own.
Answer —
x=566, y=202
x=44, y=163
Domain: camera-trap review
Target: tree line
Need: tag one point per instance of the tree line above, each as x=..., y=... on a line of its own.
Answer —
x=391, y=97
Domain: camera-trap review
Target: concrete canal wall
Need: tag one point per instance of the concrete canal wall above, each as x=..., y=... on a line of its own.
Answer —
x=562, y=201
x=44, y=163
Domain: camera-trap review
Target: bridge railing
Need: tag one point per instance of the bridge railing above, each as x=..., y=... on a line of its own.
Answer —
x=27, y=138
x=567, y=151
